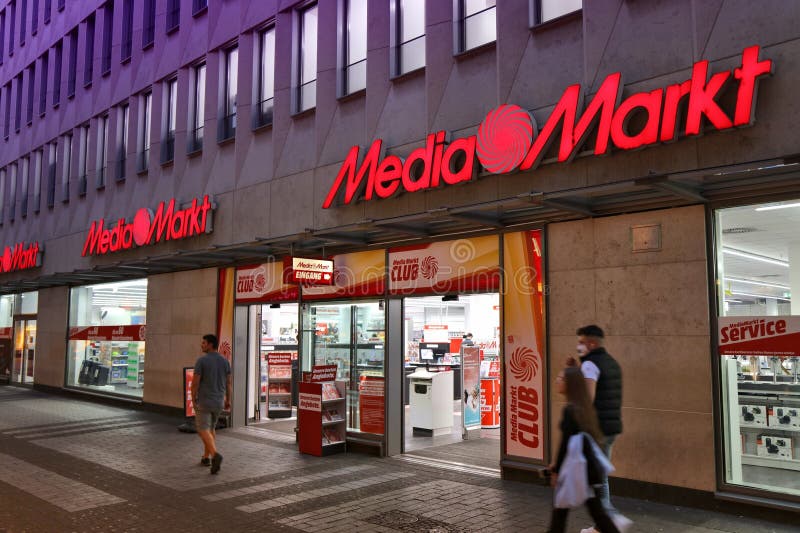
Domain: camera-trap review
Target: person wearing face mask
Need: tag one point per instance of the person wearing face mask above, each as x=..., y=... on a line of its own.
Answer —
x=604, y=383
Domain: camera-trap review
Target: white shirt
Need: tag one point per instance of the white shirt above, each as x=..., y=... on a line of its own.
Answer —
x=590, y=370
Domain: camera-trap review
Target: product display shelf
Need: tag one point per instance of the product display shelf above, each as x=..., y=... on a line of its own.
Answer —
x=321, y=415
x=279, y=394
x=769, y=428
x=334, y=423
x=770, y=462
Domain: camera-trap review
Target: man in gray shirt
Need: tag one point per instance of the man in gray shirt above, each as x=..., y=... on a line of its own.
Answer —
x=211, y=393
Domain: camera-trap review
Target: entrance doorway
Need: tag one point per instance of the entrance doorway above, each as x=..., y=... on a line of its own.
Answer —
x=436, y=330
x=352, y=336
x=273, y=370
x=24, y=349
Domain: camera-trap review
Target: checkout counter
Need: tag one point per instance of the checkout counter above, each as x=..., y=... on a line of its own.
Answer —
x=431, y=359
x=430, y=398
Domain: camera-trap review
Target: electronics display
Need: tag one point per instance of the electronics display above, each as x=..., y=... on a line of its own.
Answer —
x=774, y=446
x=753, y=415
x=785, y=417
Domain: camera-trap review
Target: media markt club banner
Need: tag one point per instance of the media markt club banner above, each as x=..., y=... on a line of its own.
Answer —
x=471, y=381
x=523, y=312
x=263, y=283
x=776, y=336
x=354, y=275
x=463, y=265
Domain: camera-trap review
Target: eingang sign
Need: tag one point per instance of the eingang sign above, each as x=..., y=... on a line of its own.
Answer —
x=507, y=138
x=147, y=228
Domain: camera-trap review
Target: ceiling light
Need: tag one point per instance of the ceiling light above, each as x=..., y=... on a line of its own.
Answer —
x=765, y=296
x=760, y=283
x=780, y=206
x=755, y=257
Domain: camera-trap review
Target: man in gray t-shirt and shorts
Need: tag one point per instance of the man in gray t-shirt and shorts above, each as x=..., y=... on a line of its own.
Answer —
x=211, y=393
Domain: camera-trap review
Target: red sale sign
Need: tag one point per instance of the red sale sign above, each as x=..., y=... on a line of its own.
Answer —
x=777, y=336
x=372, y=404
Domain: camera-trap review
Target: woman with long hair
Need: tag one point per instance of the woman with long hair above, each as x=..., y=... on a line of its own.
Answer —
x=579, y=416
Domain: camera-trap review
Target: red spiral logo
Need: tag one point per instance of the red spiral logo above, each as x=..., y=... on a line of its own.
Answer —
x=523, y=364
x=429, y=267
x=504, y=138
x=226, y=350
x=260, y=282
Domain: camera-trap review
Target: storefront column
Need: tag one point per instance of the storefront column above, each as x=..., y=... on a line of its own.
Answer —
x=794, y=276
x=395, y=352
x=239, y=366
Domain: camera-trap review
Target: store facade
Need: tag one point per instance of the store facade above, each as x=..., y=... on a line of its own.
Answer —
x=642, y=179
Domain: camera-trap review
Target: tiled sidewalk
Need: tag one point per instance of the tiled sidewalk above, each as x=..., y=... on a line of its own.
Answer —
x=70, y=465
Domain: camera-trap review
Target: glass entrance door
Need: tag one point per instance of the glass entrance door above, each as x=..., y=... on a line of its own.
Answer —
x=24, y=350
x=350, y=336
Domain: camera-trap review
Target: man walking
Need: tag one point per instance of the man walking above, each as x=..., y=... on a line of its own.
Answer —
x=604, y=383
x=211, y=393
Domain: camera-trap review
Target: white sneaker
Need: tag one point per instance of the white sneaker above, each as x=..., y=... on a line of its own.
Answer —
x=589, y=530
x=622, y=523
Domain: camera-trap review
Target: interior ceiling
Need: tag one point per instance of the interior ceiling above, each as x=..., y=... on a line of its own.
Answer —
x=746, y=183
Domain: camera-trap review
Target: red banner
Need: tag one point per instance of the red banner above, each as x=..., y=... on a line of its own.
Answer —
x=134, y=333
x=323, y=373
x=777, y=336
x=188, y=405
x=372, y=404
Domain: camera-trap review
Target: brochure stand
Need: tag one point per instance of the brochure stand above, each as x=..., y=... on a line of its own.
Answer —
x=321, y=418
x=279, y=387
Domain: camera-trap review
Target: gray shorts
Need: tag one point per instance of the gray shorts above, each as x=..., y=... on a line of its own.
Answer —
x=206, y=419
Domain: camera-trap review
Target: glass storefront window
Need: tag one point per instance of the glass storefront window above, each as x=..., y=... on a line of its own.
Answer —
x=352, y=337
x=18, y=336
x=758, y=260
x=107, y=337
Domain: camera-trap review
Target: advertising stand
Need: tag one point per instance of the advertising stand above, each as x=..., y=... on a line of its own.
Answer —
x=471, y=398
x=279, y=386
x=321, y=409
x=490, y=394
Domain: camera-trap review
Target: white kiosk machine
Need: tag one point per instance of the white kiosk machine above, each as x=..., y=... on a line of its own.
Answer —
x=431, y=400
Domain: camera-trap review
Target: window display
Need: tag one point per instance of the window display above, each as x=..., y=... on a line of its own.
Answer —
x=759, y=328
x=106, y=350
x=18, y=336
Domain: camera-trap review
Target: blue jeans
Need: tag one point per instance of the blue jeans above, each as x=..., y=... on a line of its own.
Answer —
x=603, y=491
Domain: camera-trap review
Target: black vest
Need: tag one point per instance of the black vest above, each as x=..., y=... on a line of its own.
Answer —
x=608, y=394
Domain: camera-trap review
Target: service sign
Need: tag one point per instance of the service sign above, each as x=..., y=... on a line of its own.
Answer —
x=774, y=336
x=357, y=274
x=168, y=223
x=311, y=271
x=508, y=139
x=21, y=256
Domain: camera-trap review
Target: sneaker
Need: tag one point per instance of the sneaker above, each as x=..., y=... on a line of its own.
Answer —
x=205, y=461
x=589, y=530
x=623, y=523
x=216, y=462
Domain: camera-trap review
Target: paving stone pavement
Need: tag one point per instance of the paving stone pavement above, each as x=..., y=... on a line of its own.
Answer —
x=73, y=465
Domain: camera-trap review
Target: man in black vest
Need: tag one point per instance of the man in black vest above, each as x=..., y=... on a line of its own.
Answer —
x=604, y=382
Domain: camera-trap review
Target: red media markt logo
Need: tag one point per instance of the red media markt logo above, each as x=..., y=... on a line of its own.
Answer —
x=429, y=267
x=524, y=364
x=504, y=138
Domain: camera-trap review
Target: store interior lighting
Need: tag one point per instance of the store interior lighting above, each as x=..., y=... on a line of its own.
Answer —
x=780, y=206
x=765, y=296
x=758, y=283
x=755, y=257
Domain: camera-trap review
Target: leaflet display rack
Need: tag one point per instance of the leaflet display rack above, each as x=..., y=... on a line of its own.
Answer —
x=321, y=415
x=279, y=385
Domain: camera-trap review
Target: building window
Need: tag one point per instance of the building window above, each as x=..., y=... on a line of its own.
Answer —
x=2, y=35
x=7, y=123
x=98, y=313
x=198, y=108
x=59, y=58
x=12, y=193
x=145, y=107
x=23, y=204
x=477, y=23
x=35, y=17
x=67, y=169
x=23, y=18
x=307, y=60
x=354, y=71
x=108, y=37
x=173, y=15
x=228, y=122
x=122, y=140
x=199, y=6
x=18, y=110
x=149, y=23
x=127, y=30
x=2, y=195
x=757, y=287
x=102, y=151
x=266, y=78
x=31, y=92
x=83, y=160
x=88, y=66
x=12, y=20
x=44, y=64
x=48, y=10
x=547, y=10
x=408, y=36
x=170, y=113
x=52, y=151
x=37, y=181
x=73, y=63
